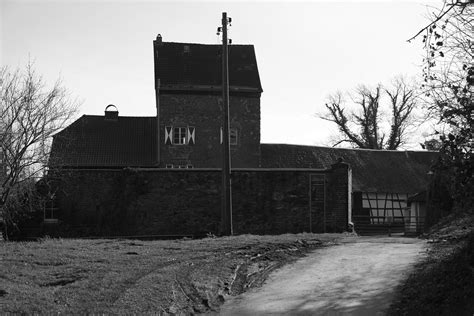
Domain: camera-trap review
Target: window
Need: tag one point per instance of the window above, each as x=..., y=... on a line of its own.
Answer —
x=179, y=135
x=179, y=166
x=50, y=211
x=233, y=136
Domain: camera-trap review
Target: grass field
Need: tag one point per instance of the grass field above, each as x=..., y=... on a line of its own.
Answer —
x=132, y=276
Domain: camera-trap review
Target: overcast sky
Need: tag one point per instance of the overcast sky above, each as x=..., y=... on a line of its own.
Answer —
x=103, y=52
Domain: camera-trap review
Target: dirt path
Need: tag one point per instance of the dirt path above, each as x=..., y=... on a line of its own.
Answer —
x=355, y=278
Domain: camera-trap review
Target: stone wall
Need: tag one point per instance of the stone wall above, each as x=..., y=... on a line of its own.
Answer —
x=188, y=202
x=337, y=191
x=203, y=112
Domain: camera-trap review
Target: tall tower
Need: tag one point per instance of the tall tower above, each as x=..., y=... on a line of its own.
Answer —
x=188, y=81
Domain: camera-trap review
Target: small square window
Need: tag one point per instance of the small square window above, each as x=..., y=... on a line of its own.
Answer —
x=179, y=135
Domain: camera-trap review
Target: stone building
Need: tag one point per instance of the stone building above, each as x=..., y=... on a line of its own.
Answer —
x=189, y=105
x=161, y=175
x=187, y=130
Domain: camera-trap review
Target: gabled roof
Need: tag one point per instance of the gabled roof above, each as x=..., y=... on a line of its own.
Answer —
x=372, y=170
x=198, y=67
x=93, y=141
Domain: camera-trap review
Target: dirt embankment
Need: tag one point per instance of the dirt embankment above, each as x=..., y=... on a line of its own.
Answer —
x=248, y=265
x=443, y=283
x=134, y=277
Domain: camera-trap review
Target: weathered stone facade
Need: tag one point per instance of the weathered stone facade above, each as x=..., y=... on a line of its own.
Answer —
x=188, y=202
x=203, y=112
x=124, y=178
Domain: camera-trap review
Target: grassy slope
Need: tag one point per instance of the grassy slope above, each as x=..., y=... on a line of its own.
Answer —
x=442, y=284
x=130, y=276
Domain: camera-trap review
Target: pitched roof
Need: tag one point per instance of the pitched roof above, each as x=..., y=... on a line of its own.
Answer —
x=372, y=170
x=93, y=141
x=185, y=66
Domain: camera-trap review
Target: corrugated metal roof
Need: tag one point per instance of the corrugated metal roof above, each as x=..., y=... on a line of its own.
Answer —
x=372, y=170
x=93, y=141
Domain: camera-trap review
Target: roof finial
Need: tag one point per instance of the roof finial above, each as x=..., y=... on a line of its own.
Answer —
x=159, y=40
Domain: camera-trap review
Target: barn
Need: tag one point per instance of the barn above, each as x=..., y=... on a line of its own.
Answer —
x=382, y=180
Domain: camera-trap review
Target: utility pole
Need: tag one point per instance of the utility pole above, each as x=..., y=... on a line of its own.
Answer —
x=226, y=211
x=156, y=44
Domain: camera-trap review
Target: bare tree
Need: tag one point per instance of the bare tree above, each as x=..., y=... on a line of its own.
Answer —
x=30, y=113
x=448, y=83
x=449, y=62
x=403, y=101
x=361, y=124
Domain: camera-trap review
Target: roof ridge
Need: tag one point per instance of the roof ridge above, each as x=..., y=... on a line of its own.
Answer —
x=120, y=116
x=357, y=149
x=205, y=44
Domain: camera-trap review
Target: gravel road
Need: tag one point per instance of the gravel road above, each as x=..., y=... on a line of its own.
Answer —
x=357, y=277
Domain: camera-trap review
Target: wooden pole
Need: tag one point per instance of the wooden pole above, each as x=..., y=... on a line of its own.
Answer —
x=226, y=215
x=156, y=43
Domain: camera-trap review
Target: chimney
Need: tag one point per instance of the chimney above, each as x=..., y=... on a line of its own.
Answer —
x=111, y=113
x=159, y=40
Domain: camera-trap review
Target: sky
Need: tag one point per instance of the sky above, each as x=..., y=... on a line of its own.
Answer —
x=103, y=51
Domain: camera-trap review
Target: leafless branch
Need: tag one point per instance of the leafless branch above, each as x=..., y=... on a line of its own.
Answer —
x=361, y=127
x=438, y=17
x=30, y=114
